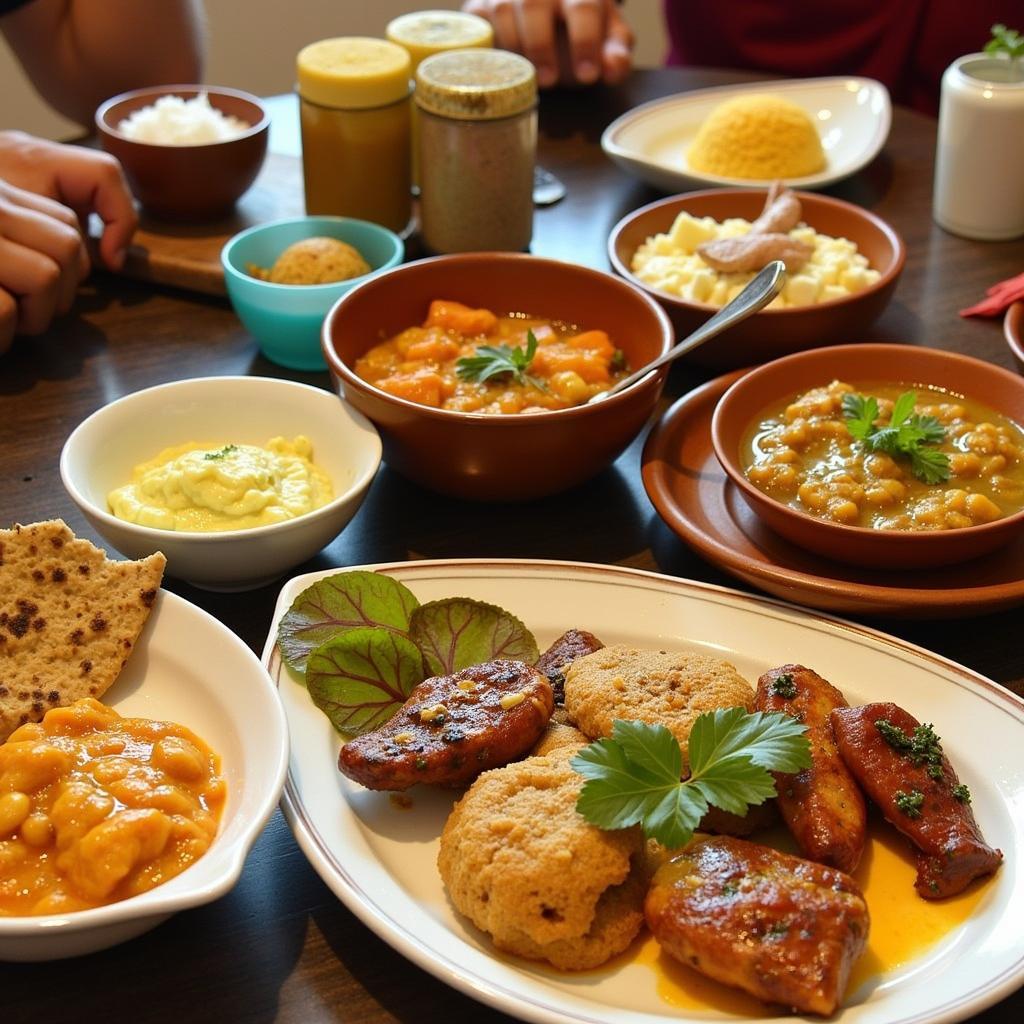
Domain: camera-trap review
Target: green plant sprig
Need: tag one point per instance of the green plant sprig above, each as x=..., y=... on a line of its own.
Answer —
x=1006, y=40
x=496, y=360
x=906, y=434
x=634, y=777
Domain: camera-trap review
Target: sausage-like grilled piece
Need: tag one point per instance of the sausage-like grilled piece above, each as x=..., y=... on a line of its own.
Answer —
x=573, y=644
x=784, y=929
x=752, y=252
x=900, y=764
x=821, y=805
x=782, y=211
x=454, y=727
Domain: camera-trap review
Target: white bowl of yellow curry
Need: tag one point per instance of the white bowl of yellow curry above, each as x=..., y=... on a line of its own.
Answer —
x=136, y=782
x=235, y=479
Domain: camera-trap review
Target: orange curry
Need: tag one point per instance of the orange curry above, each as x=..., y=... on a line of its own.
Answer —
x=421, y=364
x=95, y=808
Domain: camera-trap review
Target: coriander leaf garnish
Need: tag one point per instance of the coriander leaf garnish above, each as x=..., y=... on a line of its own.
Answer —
x=495, y=360
x=784, y=686
x=910, y=803
x=962, y=793
x=633, y=777
x=904, y=435
x=222, y=452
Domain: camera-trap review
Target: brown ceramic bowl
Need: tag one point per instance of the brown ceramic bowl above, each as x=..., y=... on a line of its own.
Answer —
x=492, y=457
x=741, y=407
x=1013, y=331
x=772, y=332
x=190, y=183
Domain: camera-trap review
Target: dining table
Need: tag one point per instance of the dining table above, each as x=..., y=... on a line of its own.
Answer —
x=280, y=946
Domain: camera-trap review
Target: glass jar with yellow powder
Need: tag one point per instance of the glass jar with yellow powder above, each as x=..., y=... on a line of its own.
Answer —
x=355, y=113
x=478, y=141
x=424, y=33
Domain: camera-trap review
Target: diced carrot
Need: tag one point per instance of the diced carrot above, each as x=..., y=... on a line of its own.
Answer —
x=424, y=388
x=554, y=359
x=454, y=316
x=593, y=341
x=436, y=349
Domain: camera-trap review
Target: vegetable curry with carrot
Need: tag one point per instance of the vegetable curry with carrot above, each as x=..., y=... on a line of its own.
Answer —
x=472, y=360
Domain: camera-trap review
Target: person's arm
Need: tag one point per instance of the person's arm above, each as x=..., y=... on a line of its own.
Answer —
x=599, y=41
x=80, y=52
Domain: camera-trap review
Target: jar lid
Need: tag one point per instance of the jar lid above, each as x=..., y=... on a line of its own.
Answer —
x=423, y=33
x=476, y=85
x=353, y=72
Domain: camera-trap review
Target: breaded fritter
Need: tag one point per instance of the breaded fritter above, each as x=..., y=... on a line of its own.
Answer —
x=454, y=727
x=667, y=688
x=559, y=734
x=522, y=864
x=784, y=929
x=570, y=646
x=917, y=790
x=822, y=805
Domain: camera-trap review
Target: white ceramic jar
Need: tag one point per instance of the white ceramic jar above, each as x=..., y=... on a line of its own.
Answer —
x=979, y=162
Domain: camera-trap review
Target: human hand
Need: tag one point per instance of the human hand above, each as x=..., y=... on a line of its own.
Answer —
x=46, y=193
x=600, y=42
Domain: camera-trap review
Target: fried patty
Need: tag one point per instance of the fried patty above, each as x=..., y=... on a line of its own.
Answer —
x=569, y=647
x=454, y=727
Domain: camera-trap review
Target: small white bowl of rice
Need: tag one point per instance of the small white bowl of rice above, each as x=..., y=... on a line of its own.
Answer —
x=189, y=151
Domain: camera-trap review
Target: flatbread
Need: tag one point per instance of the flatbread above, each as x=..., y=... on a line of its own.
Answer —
x=69, y=618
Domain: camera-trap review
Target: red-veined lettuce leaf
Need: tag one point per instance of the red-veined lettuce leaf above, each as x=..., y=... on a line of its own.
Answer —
x=347, y=600
x=458, y=632
x=362, y=677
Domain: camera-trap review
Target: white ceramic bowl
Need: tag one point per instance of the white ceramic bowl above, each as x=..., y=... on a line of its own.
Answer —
x=101, y=452
x=177, y=672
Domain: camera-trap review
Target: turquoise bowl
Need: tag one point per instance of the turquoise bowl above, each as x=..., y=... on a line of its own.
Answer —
x=286, y=318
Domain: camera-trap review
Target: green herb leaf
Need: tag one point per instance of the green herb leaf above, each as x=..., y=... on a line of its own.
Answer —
x=362, y=677
x=904, y=435
x=347, y=600
x=496, y=360
x=1005, y=40
x=221, y=453
x=634, y=776
x=458, y=632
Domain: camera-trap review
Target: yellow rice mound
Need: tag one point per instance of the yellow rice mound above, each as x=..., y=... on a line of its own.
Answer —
x=757, y=136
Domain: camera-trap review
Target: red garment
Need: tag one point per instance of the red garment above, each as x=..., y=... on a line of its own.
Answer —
x=906, y=44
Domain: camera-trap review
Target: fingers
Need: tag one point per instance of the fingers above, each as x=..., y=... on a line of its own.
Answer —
x=585, y=27
x=34, y=280
x=505, y=24
x=50, y=229
x=91, y=181
x=8, y=320
x=617, y=54
x=536, y=23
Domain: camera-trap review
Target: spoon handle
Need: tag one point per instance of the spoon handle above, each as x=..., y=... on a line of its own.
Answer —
x=756, y=295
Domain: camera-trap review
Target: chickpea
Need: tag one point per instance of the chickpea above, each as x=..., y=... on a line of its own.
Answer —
x=964, y=464
x=570, y=386
x=37, y=830
x=14, y=809
x=881, y=465
x=844, y=511
x=982, y=509
x=178, y=758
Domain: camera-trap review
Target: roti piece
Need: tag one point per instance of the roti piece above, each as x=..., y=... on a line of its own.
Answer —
x=69, y=618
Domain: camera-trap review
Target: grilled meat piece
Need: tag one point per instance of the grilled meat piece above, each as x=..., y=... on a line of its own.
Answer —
x=821, y=805
x=724, y=823
x=752, y=252
x=900, y=765
x=781, y=213
x=454, y=727
x=562, y=653
x=784, y=929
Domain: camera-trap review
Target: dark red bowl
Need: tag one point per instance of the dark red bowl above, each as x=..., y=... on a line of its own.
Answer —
x=772, y=332
x=189, y=183
x=740, y=406
x=492, y=457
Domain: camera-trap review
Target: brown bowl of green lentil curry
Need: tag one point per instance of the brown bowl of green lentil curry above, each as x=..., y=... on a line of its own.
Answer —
x=828, y=450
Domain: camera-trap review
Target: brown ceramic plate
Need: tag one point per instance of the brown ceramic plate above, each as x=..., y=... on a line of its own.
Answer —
x=1013, y=330
x=695, y=498
x=772, y=332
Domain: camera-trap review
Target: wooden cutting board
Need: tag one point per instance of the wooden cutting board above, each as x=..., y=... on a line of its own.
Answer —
x=188, y=255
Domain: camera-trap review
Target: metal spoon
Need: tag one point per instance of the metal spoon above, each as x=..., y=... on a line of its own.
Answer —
x=757, y=294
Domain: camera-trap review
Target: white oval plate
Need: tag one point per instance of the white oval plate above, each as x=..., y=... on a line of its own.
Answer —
x=188, y=668
x=651, y=141
x=380, y=861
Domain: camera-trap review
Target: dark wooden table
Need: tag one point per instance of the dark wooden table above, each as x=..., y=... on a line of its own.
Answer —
x=280, y=946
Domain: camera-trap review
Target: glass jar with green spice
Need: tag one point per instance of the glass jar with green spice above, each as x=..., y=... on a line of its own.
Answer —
x=478, y=142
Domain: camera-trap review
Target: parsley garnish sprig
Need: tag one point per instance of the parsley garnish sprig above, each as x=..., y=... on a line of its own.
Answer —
x=495, y=360
x=905, y=434
x=634, y=777
x=1006, y=40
